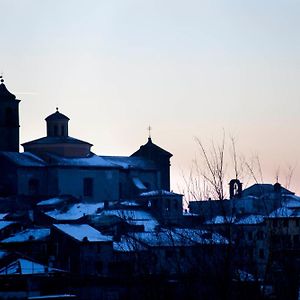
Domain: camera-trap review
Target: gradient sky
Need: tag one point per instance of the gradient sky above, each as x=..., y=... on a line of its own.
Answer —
x=188, y=68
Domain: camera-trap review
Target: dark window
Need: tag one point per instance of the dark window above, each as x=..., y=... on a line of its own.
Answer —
x=63, y=130
x=296, y=239
x=297, y=222
x=99, y=266
x=33, y=186
x=260, y=235
x=169, y=253
x=261, y=253
x=9, y=120
x=55, y=130
x=182, y=252
x=285, y=222
x=275, y=222
x=250, y=236
x=88, y=187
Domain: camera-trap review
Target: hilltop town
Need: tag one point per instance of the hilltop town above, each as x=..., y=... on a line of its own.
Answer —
x=74, y=224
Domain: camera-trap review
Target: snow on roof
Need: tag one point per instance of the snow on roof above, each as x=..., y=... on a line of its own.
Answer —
x=291, y=201
x=56, y=296
x=131, y=162
x=221, y=220
x=200, y=236
x=51, y=201
x=165, y=238
x=251, y=219
x=3, y=254
x=23, y=266
x=158, y=193
x=25, y=159
x=138, y=183
x=130, y=203
x=241, y=275
x=28, y=235
x=83, y=232
x=4, y=224
x=127, y=244
x=91, y=161
x=284, y=212
x=2, y=216
x=134, y=217
x=76, y=211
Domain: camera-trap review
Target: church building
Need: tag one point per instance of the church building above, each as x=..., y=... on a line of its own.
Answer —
x=58, y=164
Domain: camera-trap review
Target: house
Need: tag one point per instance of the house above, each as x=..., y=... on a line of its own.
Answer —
x=81, y=249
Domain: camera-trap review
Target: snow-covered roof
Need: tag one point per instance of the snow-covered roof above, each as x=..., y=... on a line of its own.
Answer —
x=131, y=162
x=165, y=238
x=130, y=203
x=91, y=161
x=284, y=212
x=4, y=224
x=25, y=159
x=2, y=216
x=28, y=235
x=134, y=217
x=51, y=201
x=250, y=219
x=3, y=254
x=221, y=220
x=76, y=211
x=23, y=266
x=128, y=244
x=83, y=232
x=200, y=236
x=158, y=193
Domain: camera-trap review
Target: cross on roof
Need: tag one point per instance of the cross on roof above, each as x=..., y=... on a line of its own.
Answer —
x=149, y=130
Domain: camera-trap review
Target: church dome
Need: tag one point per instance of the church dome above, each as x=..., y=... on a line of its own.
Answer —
x=57, y=116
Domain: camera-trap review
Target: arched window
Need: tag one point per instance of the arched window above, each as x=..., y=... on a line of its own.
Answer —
x=33, y=186
x=63, y=130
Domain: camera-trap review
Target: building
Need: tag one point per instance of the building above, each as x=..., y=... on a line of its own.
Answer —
x=58, y=164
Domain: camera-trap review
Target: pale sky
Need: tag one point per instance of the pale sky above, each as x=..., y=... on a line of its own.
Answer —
x=187, y=68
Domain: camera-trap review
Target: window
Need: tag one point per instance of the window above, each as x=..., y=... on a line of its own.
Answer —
x=250, y=236
x=285, y=222
x=63, y=130
x=260, y=235
x=297, y=222
x=88, y=187
x=33, y=186
x=55, y=130
x=275, y=223
x=9, y=117
x=261, y=253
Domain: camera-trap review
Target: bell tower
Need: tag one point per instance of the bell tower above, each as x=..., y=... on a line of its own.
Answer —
x=9, y=120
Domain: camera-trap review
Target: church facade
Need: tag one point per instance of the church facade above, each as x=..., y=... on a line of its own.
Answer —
x=58, y=164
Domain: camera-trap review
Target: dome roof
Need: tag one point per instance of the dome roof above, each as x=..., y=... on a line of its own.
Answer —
x=57, y=116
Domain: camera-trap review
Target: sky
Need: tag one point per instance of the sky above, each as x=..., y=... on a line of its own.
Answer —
x=187, y=68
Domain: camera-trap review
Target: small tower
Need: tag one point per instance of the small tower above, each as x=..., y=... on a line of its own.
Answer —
x=9, y=120
x=235, y=189
x=57, y=124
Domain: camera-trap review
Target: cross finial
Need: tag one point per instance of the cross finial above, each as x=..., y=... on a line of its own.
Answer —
x=57, y=109
x=149, y=131
x=1, y=76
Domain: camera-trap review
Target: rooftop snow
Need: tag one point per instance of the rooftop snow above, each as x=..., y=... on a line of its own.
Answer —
x=251, y=219
x=158, y=193
x=25, y=159
x=76, y=211
x=82, y=232
x=128, y=244
x=222, y=220
x=52, y=201
x=2, y=216
x=284, y=212
x=26, y=267
x=4, y=224
x=130, y=203
x=131, y=162
x=28, y=235
x=135, y=217
x=91, y=161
